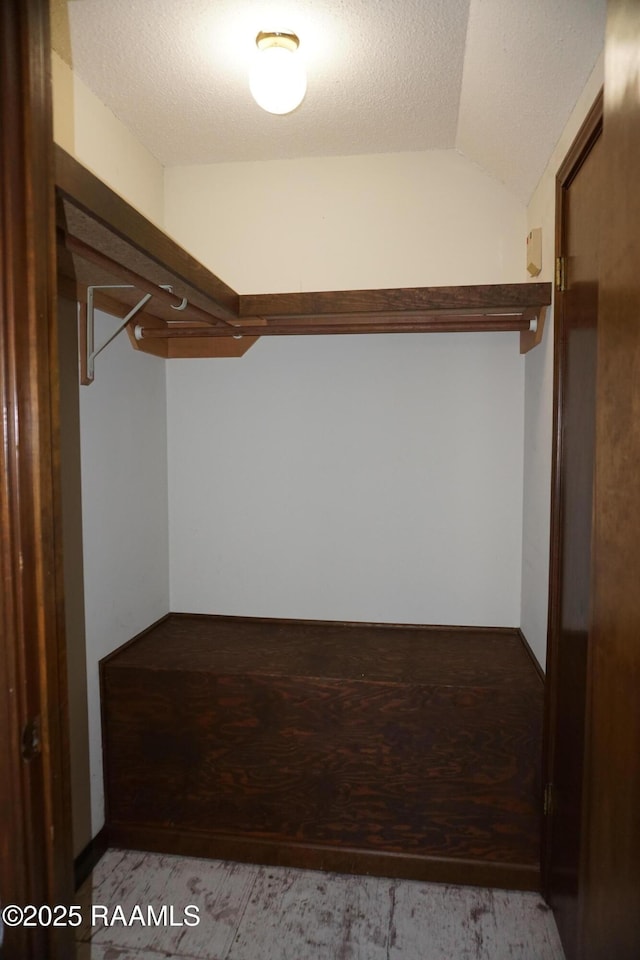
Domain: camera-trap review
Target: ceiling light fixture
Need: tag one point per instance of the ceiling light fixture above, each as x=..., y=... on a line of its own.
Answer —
x=277, y=81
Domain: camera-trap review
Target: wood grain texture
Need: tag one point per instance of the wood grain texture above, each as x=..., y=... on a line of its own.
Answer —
x=531, y=338
x=91, y=265
x=339, y=859
x=104, y=240
x=497, y=297
x=589, y=132
x=88, y=195
x=611, y=918
x=396, y=767
x=579, y=190
x=419, y=743
x=458, y=656
x=348, y=324
x=214, y=347
x=221, y=890
x=35, y=828
x=260, y=913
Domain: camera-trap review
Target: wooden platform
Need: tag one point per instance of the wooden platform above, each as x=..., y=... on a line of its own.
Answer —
x=398, y=751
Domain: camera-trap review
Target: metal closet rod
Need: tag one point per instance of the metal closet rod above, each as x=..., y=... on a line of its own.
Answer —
x=82, y=249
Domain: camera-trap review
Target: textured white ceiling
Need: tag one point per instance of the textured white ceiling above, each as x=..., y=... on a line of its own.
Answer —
x=495, y=78
x=525, y=66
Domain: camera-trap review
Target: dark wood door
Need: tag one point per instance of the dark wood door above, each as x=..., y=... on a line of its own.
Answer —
x=611, y=911
x=579, y=192
x=35, y=853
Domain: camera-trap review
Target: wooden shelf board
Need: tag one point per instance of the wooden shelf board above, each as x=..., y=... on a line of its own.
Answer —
x=103, y=241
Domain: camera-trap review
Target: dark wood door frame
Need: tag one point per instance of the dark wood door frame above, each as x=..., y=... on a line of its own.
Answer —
x=589, y=132
x=608, y=916
x=35, y=853
x=578, y=196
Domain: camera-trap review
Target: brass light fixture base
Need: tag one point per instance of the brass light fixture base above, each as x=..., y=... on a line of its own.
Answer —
x=271, y=38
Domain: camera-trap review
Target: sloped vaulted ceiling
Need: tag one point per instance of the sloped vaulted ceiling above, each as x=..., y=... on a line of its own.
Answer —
x=495, y=79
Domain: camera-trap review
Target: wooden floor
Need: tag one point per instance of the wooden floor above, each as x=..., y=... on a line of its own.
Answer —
x=277, y=913
x=411, y=752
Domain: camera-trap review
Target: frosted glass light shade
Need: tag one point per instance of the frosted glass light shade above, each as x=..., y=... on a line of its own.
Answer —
x=277, y=80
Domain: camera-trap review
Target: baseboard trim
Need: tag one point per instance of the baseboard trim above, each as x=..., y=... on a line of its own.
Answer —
x=509, y=876
x=88, y=858
x=531, y=655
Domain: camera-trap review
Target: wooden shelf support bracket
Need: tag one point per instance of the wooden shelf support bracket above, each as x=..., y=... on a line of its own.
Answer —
x=533, y=336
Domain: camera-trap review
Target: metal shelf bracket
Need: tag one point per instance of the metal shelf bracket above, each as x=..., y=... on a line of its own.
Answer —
x=86, y=317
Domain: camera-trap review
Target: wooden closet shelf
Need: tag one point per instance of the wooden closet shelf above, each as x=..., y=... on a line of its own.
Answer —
x=106, y=244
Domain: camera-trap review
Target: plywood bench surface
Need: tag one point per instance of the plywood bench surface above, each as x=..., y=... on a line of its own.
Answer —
x=401, y=743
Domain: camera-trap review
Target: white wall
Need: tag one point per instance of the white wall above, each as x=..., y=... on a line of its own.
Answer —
x=123, y=435
x=538, y=430
x=124, y=513
x=365, y=478
x=349, y=478
x=344, y=223
x=89, y=131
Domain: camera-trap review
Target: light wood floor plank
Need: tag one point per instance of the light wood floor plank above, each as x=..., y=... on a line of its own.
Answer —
x=219, y=890
x=93, y=951
x=433, y=922
x=294, y=914
x=276, y=913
